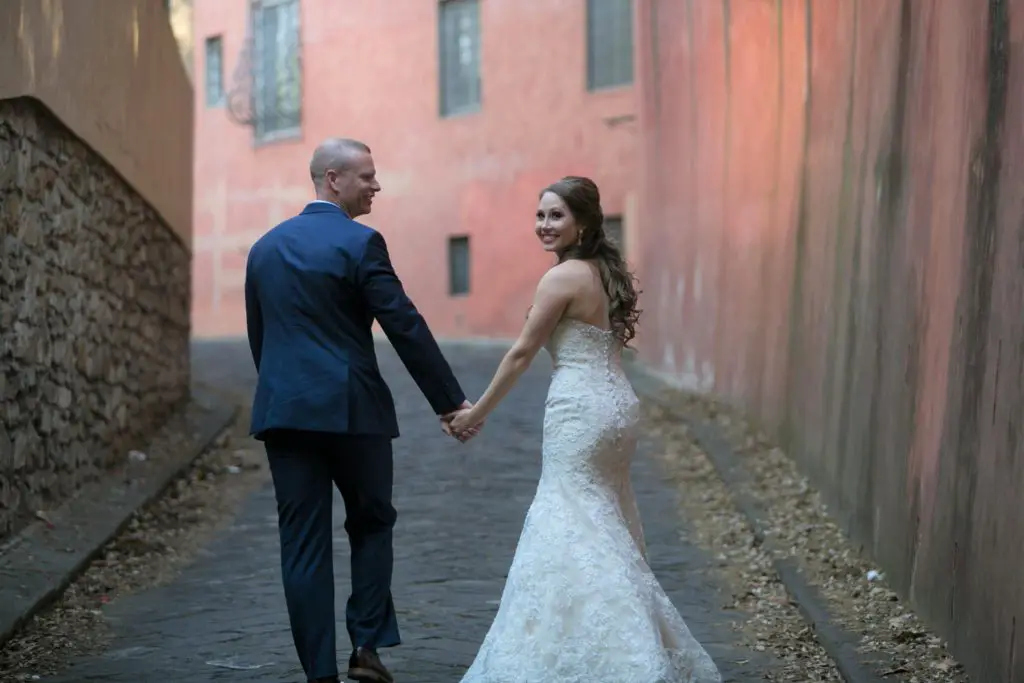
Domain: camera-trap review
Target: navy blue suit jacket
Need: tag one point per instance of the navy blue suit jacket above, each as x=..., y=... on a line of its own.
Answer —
x=313, y=286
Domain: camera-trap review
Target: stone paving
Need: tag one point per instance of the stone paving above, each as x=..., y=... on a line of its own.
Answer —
x=460, y=512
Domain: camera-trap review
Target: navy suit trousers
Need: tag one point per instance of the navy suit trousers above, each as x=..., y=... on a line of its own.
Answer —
x=306, y=468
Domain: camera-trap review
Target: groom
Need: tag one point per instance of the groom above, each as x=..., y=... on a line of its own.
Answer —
x=313, y=287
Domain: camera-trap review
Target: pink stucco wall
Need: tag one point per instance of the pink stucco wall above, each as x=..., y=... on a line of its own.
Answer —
x=830, y=233
x=370, y=71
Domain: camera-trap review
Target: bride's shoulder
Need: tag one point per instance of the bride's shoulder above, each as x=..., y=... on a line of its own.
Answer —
x=567, y=271
x=572, y=265
x=563, y=279
x=569, y=278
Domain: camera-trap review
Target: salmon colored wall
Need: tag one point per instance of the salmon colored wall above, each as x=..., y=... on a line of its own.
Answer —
x=830, y=235
x=370, y=72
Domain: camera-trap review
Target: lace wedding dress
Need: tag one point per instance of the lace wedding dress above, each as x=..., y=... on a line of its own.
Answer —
x=580, y=603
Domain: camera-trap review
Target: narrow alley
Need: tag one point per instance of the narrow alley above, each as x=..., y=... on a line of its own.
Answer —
x=460, y=512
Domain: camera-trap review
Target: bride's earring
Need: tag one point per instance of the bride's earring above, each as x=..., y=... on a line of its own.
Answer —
x=579, y=238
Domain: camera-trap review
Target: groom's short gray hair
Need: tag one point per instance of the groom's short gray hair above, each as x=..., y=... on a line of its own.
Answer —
x=334, y=154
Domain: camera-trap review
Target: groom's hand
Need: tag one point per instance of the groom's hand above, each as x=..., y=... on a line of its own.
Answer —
x=464, y=435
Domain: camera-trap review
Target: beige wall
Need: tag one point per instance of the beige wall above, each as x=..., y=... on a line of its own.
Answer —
x=181, y=25
x=110, y=70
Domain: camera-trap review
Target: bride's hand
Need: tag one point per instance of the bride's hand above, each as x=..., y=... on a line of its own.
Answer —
x=463, y=422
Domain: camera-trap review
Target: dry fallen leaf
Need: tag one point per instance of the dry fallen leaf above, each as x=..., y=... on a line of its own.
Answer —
x=153, y=547
x=798, y=528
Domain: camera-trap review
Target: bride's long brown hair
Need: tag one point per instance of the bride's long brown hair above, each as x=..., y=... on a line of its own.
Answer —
x=583, y=199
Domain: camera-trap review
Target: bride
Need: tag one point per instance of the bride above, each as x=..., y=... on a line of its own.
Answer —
x=581, y=604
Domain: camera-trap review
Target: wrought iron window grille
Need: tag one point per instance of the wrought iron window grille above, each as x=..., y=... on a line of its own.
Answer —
x=266, y=90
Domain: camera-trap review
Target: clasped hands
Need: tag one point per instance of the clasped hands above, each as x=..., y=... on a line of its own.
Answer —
x=461, y=423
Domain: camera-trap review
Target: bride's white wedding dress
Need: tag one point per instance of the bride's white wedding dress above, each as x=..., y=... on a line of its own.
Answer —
x=580, y=604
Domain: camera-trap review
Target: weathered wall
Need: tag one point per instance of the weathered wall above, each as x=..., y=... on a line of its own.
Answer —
x=112, y=73
x=476, y=174
x=94, y=272
x=831, y=238
x=181, y=26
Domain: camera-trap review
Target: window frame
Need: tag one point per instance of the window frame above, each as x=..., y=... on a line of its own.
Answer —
x=455, y=243
x=471, y=74
x=265, y=102
x=221, y=98
x=620, y=239
x=596, y=37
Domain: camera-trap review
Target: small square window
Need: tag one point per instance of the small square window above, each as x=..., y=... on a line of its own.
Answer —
x=458, y=266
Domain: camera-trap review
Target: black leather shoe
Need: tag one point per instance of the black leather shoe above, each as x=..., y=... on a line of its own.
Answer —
x=365, y=666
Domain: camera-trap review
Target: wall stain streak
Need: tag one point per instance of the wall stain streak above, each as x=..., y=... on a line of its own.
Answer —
x=871, y=320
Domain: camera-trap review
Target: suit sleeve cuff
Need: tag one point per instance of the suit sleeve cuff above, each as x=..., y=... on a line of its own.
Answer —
x=452, y=398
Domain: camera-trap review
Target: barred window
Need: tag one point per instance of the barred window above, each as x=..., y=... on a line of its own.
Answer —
x=214, y=71
x=609, y=43
x=277, y=73
x=459, y=38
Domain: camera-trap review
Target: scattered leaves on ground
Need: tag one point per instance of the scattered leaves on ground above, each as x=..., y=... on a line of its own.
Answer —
x=773, y=623
x=156, y=544
x=797, y=526
x=162, y=538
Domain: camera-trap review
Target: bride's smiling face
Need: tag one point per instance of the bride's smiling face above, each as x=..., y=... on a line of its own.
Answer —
x=556, y=228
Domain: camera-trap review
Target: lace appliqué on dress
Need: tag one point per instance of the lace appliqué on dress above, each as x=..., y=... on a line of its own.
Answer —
x=581, y=604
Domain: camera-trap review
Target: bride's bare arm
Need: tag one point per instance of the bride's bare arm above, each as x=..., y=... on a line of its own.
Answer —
x=554, y=292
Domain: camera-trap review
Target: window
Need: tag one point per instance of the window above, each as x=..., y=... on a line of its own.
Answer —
x=458, y=266
x=459, y=36
x=613, y=230
x=214, y=71
x=277, y=91
x=609, y=43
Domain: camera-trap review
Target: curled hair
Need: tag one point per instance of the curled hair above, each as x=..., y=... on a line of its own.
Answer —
x=583, y=199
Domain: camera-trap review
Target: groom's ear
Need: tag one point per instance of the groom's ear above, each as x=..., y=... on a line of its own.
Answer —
x=330, y=178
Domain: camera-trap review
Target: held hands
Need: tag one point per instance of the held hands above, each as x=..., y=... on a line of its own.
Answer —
x=461, y=424
x=465, y=422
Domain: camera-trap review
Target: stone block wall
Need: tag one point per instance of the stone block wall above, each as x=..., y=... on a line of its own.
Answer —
x=94, y=314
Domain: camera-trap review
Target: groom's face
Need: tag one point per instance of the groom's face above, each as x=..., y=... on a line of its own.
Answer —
x=356, y=184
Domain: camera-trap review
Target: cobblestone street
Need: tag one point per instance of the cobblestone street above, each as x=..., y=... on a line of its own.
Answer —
x=460, y=512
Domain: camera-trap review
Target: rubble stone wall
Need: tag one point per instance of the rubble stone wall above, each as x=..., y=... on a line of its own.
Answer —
x=94, y=314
